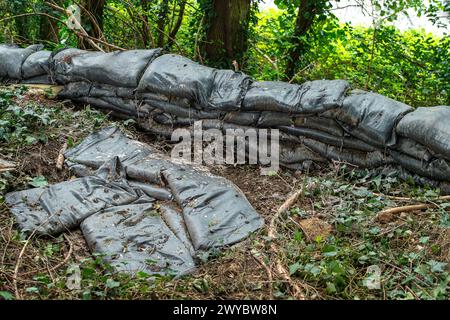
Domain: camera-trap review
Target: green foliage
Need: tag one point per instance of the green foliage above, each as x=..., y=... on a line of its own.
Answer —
x=412, y=66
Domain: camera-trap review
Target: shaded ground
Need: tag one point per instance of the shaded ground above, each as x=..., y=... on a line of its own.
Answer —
x=328, y=241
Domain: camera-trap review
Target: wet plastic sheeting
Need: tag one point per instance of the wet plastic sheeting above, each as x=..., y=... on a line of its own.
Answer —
x=430, y=126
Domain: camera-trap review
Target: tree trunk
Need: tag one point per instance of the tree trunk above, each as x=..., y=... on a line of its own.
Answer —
x=226, y=36
x=162, y=17
x=307, y=12
x=92, y=20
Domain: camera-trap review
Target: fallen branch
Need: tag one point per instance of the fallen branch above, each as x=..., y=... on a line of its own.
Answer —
x=297, y=292
x=409, y=208
x=60, y=160
x=285, y=206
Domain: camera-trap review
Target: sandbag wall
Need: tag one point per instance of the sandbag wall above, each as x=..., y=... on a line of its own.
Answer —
x=319, y=120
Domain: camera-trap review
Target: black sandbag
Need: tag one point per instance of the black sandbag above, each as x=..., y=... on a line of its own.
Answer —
x=228, y=91
x=174, y=220
x=102, y=145
x=290, y=154
x=206, y=88
x=133, y=238
x=274, y=119
x=60, y=62
x=320, y=123
x=120, y=69
x=398, y=171
x=322, y=95
x=341, y=142
x=183, y=112
x=11, y=60
x=413, y=149
x=310, y=98
x=216, y=212
x=272, y=96
x=36, y=66
x=371, y=117
x=62, y=206
x=437, y=169
x=242, y=118
x=430, y=126
x=359, y=159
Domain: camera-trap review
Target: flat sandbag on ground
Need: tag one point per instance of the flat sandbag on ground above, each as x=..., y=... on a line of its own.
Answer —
x=120, y=69
x=133, y=238
x=309, y=98
x=11, y=60
x=63, y=206
x=341, y=142
x=430, y=126
x=215, y=211
x=371, y=117
x=437, y=169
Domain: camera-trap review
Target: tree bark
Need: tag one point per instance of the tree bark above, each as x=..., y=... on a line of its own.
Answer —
x=306, y=15
x=226, y=36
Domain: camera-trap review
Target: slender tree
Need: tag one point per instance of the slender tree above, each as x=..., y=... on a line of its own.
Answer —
x=226, y=31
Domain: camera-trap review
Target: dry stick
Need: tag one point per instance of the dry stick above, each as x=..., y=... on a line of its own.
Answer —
x=60, y=160
x=407, y=208
x=272, y=233
x=410, y=199
x=16, y=268
x=268, y=271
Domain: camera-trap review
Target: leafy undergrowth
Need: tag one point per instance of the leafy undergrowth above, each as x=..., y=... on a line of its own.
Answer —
x=333, y=241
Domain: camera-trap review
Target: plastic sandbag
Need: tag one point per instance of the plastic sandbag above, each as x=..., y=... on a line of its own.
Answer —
x=437, y=169
x=121, y=68
x=206, y=88
x=215, y=211
x=62, y=206
x=413, y=149
x=320, y=123
x=12, y=58
x=371, y=117
x=430, y=126
x=37, y=66
x=134, y=239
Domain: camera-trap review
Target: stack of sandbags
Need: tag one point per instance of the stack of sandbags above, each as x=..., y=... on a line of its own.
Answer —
x=28, y=65
x=319, y=120
x=424, y=143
